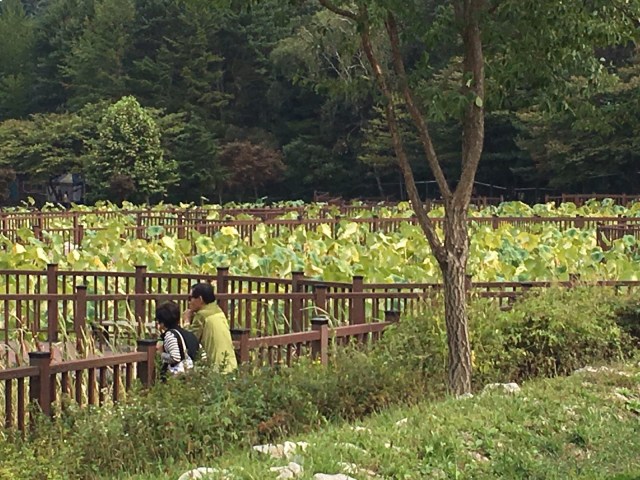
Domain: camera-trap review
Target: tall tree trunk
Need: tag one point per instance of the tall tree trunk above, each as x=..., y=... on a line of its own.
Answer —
x=454, y=270
x=452, y=254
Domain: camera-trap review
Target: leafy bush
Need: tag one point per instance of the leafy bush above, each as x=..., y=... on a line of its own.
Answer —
x=205, y=414
x=558, y=330
x=546, y=333
x=627, y=310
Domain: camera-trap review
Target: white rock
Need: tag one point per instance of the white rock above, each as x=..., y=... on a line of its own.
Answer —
x=197, y=473
x=478, y=457
x=402, y=422
x=353, y=469
x=391, y=445
x=590, y=369
x=358, y=428
x=337, y=476
x=351, y=446
x=464, y=396
x=289, y=471
x=280, y=450
x=505, y=387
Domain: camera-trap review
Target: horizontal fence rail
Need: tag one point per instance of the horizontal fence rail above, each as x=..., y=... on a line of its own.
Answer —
x=581, y=199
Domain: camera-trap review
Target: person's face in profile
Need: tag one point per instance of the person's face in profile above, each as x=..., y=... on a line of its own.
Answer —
x=195, y=303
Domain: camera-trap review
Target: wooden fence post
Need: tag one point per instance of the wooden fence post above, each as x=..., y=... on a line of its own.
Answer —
x=80, y=237
x=40, y=385
x=180, y=221
x=357, y=302
x=146, y=369
x=222, y=287
x=296, y=303
x=80, y=317
x=140, y=288
x=468, y=285
x=320, y=299
x=37, y=230
x=320, y=347
x=52, y=303
x=574, y=279
x=242, y=336
x=139, y=226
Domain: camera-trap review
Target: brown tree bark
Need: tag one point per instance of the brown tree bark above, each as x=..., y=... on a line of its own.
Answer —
x=452, y=255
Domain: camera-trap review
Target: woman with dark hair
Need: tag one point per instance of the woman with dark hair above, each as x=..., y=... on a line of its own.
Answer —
x=179, y=348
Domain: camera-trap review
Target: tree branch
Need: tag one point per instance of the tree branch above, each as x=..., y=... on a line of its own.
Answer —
x=467, y=13
x=339, y=11
x=403, y=162
x=414, y=111
x=392, y=121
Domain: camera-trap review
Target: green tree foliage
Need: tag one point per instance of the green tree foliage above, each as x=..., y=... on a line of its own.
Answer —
x=127, y=157
x=294, y=75
x=591, y=146
x=94, y=67
x=47, y=145
x=17, y=37
x=60, y=24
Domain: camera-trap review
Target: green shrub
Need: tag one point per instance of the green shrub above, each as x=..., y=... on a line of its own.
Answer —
x=205, y=414
x=558, y=330
x=548, y=332
x=627, y=311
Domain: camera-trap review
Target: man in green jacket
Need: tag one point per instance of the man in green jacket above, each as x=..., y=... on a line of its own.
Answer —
x=210, y=325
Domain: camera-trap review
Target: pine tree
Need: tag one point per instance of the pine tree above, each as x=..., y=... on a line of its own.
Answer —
x=17, y=38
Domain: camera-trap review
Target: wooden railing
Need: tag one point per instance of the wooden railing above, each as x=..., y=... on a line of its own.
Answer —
x=89, y=381
x=321, y=314
x=106, y=379
x=120, y=306
x=175, y=216
x=607, y=234
x=73, y=237
x=581, y=199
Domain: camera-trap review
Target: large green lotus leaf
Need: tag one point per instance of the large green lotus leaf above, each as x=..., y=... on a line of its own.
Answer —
x=169, y=242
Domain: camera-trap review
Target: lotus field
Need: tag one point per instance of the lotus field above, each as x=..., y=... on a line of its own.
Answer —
x=506, y=253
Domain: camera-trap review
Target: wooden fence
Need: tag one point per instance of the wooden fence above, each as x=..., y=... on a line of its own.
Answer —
x=72, y=237
x=581, y=199
x=175, y=216
x=606, y=234
x=315, y=312
x=55, y=305
x=89, y=381
x=107, y=379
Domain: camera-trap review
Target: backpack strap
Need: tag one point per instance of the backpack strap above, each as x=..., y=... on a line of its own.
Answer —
x=181, y=345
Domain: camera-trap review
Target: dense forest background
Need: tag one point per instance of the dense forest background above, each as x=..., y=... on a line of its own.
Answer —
x=180, y=100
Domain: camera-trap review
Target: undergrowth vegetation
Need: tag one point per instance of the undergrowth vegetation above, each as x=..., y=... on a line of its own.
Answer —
x=204, y=415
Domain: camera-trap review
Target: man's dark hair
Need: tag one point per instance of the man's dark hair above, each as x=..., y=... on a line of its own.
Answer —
x=168, y=314
x=204, y=291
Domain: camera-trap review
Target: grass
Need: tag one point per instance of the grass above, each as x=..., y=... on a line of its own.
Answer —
x=585, y=426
